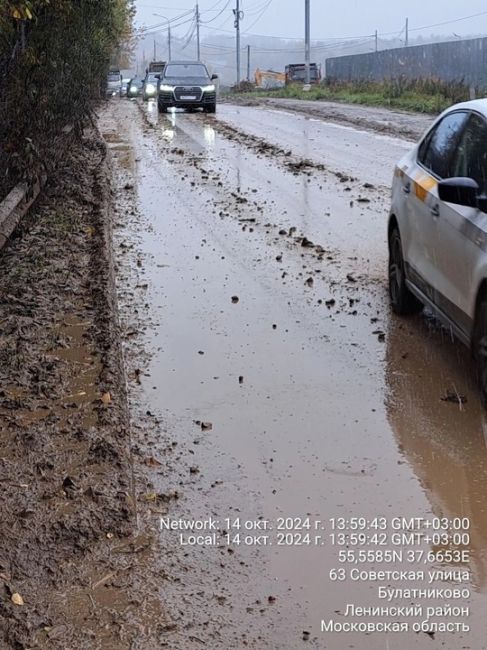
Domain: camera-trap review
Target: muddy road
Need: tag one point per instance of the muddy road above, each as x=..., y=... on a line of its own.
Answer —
x=284, y=407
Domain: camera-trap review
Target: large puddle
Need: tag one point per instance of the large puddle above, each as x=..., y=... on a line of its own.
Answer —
x=332, y=423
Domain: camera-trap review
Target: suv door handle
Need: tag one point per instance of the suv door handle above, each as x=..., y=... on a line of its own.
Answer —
x=435, y=210
x=406, y=188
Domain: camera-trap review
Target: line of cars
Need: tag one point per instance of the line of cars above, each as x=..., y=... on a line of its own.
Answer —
x=177, y=84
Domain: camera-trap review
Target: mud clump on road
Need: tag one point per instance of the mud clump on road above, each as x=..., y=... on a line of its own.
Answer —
x=66, y=493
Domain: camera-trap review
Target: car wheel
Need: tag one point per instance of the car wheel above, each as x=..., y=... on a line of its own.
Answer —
x=402, y=300
x=479, y=347
x=211, y=108
x=162, y=108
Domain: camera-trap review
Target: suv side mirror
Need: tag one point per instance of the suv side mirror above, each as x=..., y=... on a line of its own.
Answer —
x=214, y=76
x=459, y=191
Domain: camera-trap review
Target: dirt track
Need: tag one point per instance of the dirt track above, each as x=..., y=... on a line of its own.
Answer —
x=400, y=124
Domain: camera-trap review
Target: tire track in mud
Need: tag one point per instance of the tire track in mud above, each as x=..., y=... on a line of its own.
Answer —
x=319, y=262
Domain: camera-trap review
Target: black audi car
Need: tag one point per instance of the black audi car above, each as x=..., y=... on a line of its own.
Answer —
x=187, y=84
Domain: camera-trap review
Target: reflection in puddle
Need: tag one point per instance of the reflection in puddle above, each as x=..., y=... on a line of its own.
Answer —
x=168, y=134
x=443, y=444
x=209, y=134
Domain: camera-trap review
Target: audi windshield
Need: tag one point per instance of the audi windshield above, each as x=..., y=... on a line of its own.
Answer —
x=190, y=70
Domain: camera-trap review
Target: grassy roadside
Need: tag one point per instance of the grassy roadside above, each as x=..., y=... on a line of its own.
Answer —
x=425, y=96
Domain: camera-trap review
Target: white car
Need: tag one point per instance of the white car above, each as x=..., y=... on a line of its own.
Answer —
x=437, y=230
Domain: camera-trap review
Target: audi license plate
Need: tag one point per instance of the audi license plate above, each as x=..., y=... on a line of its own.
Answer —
x=188, y=97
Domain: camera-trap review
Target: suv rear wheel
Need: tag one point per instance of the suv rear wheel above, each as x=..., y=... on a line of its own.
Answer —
x=402, y=300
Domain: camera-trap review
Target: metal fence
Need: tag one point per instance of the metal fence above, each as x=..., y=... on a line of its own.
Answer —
x=454, y=61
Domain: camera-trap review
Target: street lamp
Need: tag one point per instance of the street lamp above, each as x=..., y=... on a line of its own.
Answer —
x=168, y=34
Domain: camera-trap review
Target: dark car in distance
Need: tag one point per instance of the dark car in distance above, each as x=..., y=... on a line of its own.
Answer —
x=134, y=87
x=187, y=84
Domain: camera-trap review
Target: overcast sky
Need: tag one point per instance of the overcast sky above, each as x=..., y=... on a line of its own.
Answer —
x=330, y=18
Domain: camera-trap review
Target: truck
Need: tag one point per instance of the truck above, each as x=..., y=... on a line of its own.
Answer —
x=113, y=84
x=296, y=73
x=156, y=67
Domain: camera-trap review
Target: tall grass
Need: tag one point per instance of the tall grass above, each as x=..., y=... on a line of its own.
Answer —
x=421, y=95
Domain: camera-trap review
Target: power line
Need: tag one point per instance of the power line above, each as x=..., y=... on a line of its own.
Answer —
x=216, y=5
x=151, y=28
x=205, y=22
x=253, y=10
x=267, y=5
x=296, y=38
x=446, y=22
x=189, y=38
x=330, y=42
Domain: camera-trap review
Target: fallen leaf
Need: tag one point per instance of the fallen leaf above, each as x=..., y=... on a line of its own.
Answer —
x=106, y=398
x=152, y=462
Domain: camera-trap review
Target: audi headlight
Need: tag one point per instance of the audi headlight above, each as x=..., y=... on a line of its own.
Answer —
x=208, y=89
x=166, y=89
x=150, y=88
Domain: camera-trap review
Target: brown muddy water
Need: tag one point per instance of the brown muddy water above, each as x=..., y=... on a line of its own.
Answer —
x=309, y=416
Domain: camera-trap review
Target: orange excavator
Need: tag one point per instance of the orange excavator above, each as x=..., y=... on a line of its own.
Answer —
x=269, y=79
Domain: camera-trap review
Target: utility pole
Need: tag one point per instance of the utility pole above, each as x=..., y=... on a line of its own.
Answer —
x=155, y=51
x=168, y=35
x=376, y=41
x=238, y=17
x=198, y=31
x=407, y=32
x=307, y=35
x=248, y=62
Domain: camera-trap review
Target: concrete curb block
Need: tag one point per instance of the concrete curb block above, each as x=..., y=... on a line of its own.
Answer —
x=15, y=206
x=17, y=203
